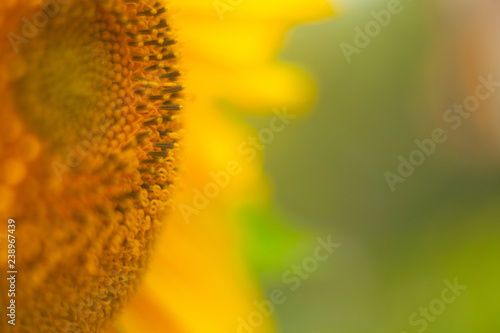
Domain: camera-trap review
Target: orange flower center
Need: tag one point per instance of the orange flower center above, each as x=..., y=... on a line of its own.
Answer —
x=89, y=155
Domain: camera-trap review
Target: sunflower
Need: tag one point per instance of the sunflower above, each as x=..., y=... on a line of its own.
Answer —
x=110, y=130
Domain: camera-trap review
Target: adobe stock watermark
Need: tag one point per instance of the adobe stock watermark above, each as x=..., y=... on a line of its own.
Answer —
x=453, y=116
x=363, y=37
x=224, y=6
x=292, y=278
x=31, y=26
x=248, y=149
x=420, y=319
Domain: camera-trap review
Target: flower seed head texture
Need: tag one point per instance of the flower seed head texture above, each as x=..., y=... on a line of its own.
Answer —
x=90, y=128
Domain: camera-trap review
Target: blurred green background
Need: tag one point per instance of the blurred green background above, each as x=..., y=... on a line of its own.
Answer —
x=327, y=171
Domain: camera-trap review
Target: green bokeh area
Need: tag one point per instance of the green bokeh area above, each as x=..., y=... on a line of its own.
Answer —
x=327, y=171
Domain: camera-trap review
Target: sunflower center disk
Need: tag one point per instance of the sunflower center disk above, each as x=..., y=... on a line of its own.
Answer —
x=100, y=88
x=69, y=74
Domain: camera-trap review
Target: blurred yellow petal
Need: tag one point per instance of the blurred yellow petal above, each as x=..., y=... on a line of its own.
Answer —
x=279, y=84
x=285, y=10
